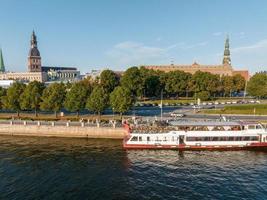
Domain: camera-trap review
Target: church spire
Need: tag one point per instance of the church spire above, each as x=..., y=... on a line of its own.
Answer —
x=226, y=55
x=2, y=65
x=33, y=40
x=34, y=58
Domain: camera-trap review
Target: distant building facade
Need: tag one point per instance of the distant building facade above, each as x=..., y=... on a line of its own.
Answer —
x=64, y=74
x=93, y=74
x=24, y=76
x=224, y=69
x=37, y=72
x=6, y=83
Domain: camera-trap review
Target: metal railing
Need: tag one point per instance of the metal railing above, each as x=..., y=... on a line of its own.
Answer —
x=60, y=123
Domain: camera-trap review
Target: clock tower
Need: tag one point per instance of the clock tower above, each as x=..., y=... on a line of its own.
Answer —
x=34, y=58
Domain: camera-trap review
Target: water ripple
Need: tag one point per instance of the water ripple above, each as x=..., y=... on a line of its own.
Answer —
x=52, y=168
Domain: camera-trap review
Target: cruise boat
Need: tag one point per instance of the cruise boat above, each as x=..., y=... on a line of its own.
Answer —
x=198, y=136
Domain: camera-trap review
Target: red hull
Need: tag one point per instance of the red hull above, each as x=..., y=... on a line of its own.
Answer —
x=253, y=146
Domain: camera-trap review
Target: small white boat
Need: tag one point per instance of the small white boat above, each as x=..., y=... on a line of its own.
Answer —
x=198, y=136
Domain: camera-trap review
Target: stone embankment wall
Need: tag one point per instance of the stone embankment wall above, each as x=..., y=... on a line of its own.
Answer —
x=52, y=130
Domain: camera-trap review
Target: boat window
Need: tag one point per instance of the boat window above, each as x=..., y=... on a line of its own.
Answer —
x=172, y=138
x=190, y=139
x=254, y=138
x=219, y=128
x=236, y=128
x=258, y=126
x=206, y=139
x=148, y=138
x=238, y=138
x=134, y=138
x=251, y=127
x=231, y=139
x=140, y=138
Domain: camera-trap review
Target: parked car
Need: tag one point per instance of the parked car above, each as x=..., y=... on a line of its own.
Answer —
x=196, y=107
x=177, y=114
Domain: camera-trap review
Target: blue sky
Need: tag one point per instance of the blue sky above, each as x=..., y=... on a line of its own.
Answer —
x=117, y=34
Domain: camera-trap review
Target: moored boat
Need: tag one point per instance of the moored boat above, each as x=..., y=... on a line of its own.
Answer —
x=199, y=136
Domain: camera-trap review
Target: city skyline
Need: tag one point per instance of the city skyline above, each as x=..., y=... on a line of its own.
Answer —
x=91, y=35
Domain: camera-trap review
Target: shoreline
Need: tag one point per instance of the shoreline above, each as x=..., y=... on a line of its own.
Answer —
x=66, y=131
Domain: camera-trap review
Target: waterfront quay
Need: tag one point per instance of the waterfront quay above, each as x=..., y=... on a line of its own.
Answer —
x=62, y=129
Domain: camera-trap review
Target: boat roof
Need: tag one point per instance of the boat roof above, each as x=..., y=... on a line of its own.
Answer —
x=208, y=123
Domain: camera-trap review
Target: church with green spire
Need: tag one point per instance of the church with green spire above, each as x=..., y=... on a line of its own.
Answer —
x=2, y=65
x=226, y=55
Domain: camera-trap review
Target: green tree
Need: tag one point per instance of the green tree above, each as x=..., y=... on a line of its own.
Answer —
x=204, y=81
x=89, y=84
x=228, y=85
x=239, y=82
x=132, y=80
x=2, y=95
x=121, y=100
x=176, y=82
x=203, y=95
x=12, y=99
x=257, y=85
x=151, y=84
x=97, y=101
x=31, y=96
x=53, y=97
x=108, y=80
x=76, y=98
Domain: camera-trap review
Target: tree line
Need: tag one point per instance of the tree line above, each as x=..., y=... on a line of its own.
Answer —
x=109, y=90
x=150, y=83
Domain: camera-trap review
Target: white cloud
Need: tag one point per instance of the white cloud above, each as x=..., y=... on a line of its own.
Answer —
x=217, y=34
x=240, y=35
x=253, y=47
x=134, y=53
x=191, y=46
x=251, y=56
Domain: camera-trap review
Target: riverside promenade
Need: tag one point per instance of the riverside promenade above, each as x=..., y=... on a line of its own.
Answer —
x=62, y=129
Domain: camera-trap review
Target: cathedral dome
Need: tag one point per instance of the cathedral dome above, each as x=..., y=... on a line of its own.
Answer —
x=34, y=52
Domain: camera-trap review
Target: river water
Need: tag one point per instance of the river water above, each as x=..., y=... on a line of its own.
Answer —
x=53, y=168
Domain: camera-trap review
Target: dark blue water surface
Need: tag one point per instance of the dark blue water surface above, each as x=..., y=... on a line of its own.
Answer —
x=49, y=168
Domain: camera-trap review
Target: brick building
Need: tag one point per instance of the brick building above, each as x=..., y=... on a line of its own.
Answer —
x=224, y=69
